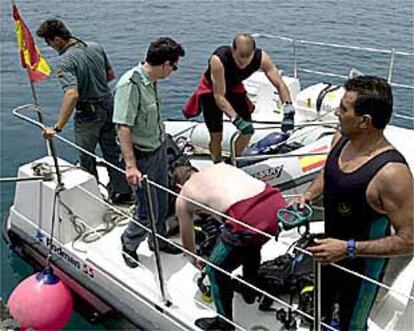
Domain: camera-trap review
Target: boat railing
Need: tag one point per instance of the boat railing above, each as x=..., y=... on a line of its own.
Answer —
x=296, y=44
x=316, y=318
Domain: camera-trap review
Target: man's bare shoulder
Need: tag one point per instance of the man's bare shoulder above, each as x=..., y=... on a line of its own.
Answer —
x=215, y=62
x=394, y=178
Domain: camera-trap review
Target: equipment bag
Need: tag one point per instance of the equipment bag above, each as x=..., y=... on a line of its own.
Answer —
x=289, y=273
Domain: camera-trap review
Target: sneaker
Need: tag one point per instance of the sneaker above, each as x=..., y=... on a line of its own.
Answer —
x=213, y=323
x=122, y=198
x=165, y=247
x=130, y=257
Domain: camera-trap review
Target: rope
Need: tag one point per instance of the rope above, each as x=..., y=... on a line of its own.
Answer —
x=51, y=234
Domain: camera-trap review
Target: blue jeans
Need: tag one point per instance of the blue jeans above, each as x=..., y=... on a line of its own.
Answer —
x=93, y=127
x=154, y=164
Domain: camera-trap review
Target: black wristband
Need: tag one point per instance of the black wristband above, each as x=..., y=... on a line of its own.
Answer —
x=57, y=129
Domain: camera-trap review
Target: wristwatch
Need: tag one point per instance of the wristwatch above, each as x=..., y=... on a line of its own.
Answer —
x=351, y=250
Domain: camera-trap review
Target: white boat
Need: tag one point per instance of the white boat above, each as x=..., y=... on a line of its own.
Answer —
x=162, y=294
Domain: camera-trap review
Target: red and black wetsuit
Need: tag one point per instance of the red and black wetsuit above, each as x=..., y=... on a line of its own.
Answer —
x=232, y=73
x=348, y=215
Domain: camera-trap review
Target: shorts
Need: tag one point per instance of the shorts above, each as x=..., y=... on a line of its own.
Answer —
x=213, y=115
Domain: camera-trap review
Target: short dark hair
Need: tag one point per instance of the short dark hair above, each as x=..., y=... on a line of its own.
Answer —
x=162, y=50
x=374, y=98
x=181, y=174
x=52, y=28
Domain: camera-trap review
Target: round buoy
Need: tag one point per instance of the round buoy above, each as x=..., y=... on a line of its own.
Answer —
x=41, y=302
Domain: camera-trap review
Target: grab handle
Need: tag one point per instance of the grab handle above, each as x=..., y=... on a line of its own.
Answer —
x=293, y=216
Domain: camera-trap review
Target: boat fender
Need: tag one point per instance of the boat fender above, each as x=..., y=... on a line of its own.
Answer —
x=41, y=302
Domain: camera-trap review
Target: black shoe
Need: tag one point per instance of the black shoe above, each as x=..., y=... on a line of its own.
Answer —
x=165, y=247
x=130, y=257
x=122, y=198
x=248, y=294
x=213, y=323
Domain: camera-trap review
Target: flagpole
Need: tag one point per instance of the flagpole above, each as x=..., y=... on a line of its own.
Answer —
x=51, y=151
x=49, y=143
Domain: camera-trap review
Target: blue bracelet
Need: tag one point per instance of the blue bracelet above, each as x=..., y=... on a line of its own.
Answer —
x=351, y=248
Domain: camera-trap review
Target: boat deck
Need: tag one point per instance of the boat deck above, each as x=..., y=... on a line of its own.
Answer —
x=180, y=279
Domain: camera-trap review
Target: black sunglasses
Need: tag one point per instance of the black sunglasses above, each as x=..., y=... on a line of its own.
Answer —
x=174, y=67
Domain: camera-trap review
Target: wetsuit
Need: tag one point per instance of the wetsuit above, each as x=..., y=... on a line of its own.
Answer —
x=348, y=215
x=240, y=246
x=234, y=76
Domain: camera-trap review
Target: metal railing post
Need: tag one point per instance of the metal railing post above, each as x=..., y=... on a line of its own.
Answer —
x=233, y=155
x=317, y=297
x=391, y=66
x=151, y=215
x=295, y=60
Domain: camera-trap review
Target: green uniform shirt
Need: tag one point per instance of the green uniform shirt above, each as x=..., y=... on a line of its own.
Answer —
x=84, y=66
x=136, y=105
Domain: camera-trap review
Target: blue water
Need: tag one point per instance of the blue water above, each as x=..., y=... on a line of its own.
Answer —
x=126, y=27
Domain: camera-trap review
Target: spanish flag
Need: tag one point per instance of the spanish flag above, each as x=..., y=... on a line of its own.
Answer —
x=30, y=56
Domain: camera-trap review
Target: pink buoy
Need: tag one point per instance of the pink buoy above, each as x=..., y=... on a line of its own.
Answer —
x=41, y=302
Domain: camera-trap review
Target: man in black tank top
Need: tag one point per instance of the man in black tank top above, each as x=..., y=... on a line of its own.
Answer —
x=367, y=188
x=227, y=68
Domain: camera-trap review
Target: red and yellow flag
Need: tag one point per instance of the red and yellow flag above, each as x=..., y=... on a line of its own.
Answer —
x=312, y=162
x=30, y=56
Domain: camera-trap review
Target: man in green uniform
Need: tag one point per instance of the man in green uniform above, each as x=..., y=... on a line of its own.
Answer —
x=141, y=134
x=84, y=71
